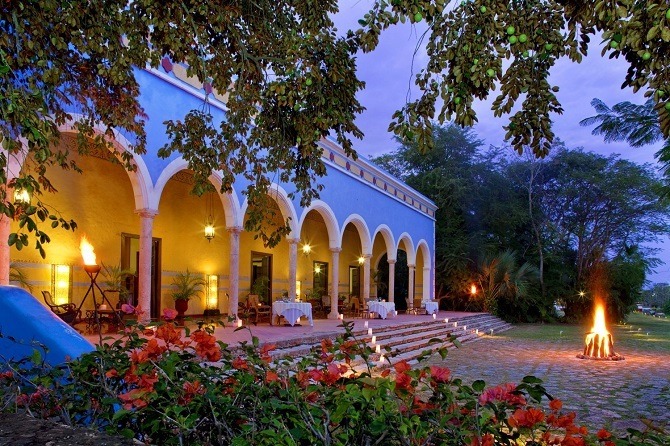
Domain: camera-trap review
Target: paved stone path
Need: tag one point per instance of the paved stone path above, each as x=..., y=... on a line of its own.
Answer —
x=612, y=394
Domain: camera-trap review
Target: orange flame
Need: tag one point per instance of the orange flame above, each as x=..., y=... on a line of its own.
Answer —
x=599, y=333
x=87, y=251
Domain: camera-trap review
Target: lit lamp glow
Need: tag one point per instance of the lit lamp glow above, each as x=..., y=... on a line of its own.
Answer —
x=212, y=298
x=378, y=349
x=306, y=249
x=60, y=283
x=317, y=269
x=87, y=252
x=21, y=196
x=473, y=289
x=361, y=260
x=209, y=230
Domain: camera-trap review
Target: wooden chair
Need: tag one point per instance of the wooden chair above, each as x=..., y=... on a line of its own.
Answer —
x=67, y=312
x=325, y=303
x=257, y=310
x=354, y=308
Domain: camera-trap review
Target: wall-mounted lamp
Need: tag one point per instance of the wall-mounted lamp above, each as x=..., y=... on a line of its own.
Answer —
x=21, y=196
x=473, y=289
x=361, y=260
x=61, y=283
x=317, y=269
x=306, y=249
x=212, y=295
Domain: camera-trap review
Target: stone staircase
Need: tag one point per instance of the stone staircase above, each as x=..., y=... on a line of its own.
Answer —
x=407, y=341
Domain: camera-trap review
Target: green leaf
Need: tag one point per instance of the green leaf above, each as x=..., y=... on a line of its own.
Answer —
x=478, y=385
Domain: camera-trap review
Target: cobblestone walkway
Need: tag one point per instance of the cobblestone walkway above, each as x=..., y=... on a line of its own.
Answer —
x=612, y=394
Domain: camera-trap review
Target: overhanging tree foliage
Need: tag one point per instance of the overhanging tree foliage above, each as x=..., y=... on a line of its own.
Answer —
x=290, y=78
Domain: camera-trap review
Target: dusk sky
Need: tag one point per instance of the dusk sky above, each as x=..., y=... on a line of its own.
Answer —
x=388, y=74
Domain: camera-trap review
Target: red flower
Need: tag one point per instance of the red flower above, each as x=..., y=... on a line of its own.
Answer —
x=402, y=367
x=440, y=374
x=7, y=375
x=147, y=381
x=573, y=441
x=111, y=373
x=240, y=364
x=526, y=418
x=191, y=389
x=168, y=333
x=403, y=381
x=206, y=346
x=169, y=314
x=504, y=393
x=134, y=399
x=555, y=405
x=271, y=376
x=333, y=373
x=603, y=434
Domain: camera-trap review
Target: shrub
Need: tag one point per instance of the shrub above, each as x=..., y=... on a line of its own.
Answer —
x=162, y=387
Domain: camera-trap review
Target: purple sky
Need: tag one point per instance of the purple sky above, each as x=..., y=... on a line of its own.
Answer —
x=388, y=74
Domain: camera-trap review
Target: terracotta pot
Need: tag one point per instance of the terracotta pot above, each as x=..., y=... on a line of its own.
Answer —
x=181, y=306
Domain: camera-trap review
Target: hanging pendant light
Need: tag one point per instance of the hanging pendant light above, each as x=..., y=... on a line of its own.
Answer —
x=209, y=222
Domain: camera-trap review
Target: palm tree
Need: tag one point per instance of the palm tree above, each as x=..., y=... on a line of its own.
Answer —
x=638, y=125
x=500, y=277
x=18, y=276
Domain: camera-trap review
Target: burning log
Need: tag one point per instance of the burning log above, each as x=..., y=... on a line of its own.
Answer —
x=599, y=343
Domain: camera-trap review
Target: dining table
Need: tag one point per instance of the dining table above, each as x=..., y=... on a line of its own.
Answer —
x=383, y=309
x=292, y=312
x=431, y=307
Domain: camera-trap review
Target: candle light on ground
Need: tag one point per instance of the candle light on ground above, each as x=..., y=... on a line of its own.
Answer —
x=378, y=349
x=446, y=320
x=434, y=316
x=369, y=331
x=365, y=324
x=374, y=340
x=381, y=360
x=239, y=323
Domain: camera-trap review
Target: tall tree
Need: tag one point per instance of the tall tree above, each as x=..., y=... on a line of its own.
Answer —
x=638, y=125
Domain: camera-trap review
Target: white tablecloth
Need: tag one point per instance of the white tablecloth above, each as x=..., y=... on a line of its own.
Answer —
x=431, y=307
x=292, y=311
x=383, y=309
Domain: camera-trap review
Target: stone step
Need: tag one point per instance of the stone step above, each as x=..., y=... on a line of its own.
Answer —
x=407, y=341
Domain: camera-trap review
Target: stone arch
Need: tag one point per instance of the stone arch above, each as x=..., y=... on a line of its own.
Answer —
x=140, y=179
x=334, y=236
x=423, y=249
x=229, y=200
x=387, y=235
x=409, y=247
x=285, y=206
x=363, y=232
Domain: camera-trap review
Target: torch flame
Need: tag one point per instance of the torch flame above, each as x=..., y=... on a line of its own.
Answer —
x=599, y=339
x=87, y=252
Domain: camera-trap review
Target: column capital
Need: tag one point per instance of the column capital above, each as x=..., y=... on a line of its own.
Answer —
x=146, y=212
x=335, y=250
x=234, y=229
x=426, y=268
x=293, y=241
x=367, y=256
x=411, y=266
x=391, y=261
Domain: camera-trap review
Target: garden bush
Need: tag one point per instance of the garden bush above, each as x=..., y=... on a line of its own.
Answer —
x=167, y=387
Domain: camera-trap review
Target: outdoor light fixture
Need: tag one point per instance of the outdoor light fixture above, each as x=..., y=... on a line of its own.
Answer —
x=361, y=260
x=61, y=283
x=21, y=196
x=209, y=222
x=306, y=249
x=473, y=289
x=93, y=269
x=212, y=295
x=317, y=269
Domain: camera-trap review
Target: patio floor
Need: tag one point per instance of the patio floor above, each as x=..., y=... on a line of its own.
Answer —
x=276, y=333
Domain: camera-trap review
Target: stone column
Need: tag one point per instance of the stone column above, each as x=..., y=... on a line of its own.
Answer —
x=234, y=270
x=366, y=277
x=410, y=287
x=144, y=267
x=292, y=267
x=426, y=283
x=5, y=229
x=334, y=287
x=391, y=280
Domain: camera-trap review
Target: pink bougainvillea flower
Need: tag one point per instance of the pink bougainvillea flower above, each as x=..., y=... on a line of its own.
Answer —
x=504, y=393
x=440, y=374
x=127, y=308
x=169, y=314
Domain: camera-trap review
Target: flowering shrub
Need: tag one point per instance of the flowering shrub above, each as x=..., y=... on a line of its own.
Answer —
x=164, y=386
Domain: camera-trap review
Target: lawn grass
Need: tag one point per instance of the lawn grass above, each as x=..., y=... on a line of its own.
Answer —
x=640, y=333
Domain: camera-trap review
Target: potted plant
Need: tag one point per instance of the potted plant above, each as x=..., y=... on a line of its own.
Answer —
x=260, y=288
x=114, y=280
x=185, y=286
